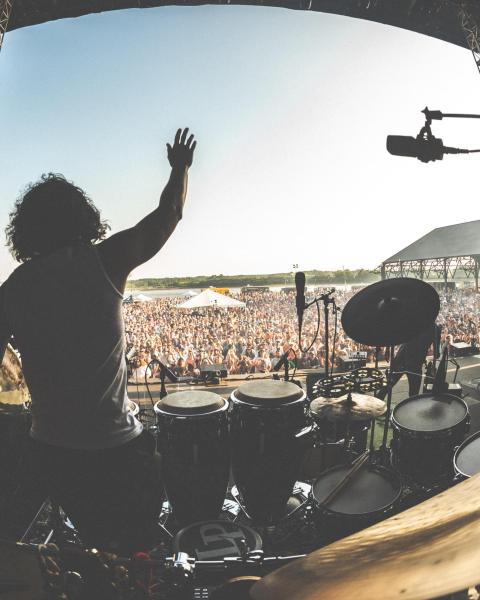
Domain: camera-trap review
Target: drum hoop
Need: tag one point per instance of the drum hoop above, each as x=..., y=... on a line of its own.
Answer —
x=163, y=413
x=392, y=475
x=462, y=446
x=236, y=400
x=431, y=432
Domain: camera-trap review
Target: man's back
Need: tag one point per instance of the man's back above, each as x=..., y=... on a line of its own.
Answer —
x=66, y=316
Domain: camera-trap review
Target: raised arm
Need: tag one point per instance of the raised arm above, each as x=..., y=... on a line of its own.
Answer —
x=124, y=251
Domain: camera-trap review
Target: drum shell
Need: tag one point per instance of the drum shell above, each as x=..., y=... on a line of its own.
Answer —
x=426, y=457
x=195, y=454
x=268, y=447
x=333, y=525
x=332, y=432
x=460, y=471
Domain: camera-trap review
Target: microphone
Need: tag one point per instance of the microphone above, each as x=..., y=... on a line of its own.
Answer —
x=300, y=299
x=425, y=150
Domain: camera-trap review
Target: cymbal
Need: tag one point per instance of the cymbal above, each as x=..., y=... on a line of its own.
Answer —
x=361, y=408
x=13, y=389
x=390, y=312
x=428, y=551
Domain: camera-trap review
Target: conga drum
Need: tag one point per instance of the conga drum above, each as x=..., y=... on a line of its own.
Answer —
x=426, y=430
x=270, y=434
x=194, y=444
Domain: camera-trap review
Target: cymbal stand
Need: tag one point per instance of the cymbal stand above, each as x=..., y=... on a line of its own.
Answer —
x=383, y=448
x=372, y=437
x=349, y=404
x=377, y=352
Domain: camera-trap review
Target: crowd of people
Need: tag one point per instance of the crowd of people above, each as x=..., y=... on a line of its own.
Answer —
x=254, y=338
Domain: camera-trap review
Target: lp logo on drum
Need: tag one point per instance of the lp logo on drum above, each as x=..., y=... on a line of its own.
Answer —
x=218, y=542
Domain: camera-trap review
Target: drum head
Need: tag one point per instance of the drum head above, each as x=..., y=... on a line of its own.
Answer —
x=467, y=456
x=190, y=403
x=214, y=540
x=371, y=489
x=268, y=393
x=430, y=413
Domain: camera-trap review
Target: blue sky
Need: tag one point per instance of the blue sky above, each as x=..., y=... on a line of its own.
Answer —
x=291, y=110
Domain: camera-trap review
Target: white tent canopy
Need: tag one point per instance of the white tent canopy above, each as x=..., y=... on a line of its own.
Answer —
x=211, y=298
x=141, y=298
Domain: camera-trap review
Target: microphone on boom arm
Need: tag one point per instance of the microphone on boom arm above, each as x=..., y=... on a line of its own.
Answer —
x=425, y=150
x=300, y=298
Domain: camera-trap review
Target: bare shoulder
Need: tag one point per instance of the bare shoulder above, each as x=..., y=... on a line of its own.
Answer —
x=113, y=253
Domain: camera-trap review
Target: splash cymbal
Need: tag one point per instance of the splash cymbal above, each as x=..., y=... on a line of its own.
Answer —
x=428, y=551
x=361, y=408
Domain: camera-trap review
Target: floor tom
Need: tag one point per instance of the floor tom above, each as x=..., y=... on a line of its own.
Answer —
x=426, y=430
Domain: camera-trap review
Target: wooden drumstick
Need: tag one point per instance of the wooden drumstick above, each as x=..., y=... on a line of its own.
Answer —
x=356, y=465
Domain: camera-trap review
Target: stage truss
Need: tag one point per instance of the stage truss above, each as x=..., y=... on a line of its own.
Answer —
x=445, y=269
x=471, y=31
x=5, y=12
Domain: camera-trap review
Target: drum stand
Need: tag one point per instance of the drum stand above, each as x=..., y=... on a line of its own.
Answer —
x=383, y=447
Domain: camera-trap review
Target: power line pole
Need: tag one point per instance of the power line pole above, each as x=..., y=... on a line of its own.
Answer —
x=5, y=11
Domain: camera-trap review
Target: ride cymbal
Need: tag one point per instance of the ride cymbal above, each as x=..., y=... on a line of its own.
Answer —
x=390, y=312
x=428, y=551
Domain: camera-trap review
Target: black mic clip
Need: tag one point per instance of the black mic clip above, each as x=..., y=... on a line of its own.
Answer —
x=326, y=297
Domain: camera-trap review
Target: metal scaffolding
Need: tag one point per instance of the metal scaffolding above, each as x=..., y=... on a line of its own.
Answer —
x=434, y=268
x=471, y=31
x=5, y=12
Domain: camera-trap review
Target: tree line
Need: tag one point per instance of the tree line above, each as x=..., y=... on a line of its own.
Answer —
x=314, y=277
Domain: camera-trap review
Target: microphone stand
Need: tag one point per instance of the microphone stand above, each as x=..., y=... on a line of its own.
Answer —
x=326, y=299
x=165, y=373
x=282, y=362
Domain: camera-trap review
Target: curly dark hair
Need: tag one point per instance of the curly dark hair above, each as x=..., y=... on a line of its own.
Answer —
x=51, y=214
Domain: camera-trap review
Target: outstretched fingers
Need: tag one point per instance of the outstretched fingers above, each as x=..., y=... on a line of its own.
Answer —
x=184, y=135
x=177, y=136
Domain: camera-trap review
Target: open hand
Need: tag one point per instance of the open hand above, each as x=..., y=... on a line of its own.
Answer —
x=181, y=153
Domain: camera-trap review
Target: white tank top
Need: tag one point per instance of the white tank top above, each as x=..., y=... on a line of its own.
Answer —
x=66, y=316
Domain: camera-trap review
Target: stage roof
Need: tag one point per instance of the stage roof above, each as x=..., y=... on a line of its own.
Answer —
x=462, y=239
x=436, y=18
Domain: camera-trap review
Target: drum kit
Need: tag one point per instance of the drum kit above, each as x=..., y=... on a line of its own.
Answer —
x=270, y=472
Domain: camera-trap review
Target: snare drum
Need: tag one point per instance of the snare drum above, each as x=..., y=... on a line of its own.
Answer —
x=466, y=461
x=194, y=444
x=426, y=431
x=270, y=433
x=334, y=432
x=372, y=495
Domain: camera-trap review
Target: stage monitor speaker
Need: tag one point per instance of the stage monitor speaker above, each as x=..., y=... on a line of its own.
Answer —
x=209, y=371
